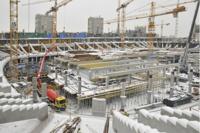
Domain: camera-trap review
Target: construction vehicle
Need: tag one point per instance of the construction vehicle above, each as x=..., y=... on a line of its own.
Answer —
x=56, y=101
x=184, y=59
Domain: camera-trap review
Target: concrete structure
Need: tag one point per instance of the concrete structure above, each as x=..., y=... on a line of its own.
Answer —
x=168, y=124
x=43, y=23
x=14, y=101
x=123, y=124
x=140, y=31
x=99, y=106
x=189, y=115
x=95, y=25
x=10, y=113
x=9, y=95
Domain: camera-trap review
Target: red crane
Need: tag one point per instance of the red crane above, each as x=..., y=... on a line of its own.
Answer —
x=59, y=102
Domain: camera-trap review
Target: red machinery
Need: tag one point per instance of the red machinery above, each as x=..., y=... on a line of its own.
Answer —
x=58, y=101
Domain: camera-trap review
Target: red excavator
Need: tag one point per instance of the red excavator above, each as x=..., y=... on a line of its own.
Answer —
x=58, y=102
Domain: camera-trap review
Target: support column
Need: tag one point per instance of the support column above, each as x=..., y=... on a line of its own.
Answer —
x=150, y=82
x=129, y=79
x=190, y=79
x=90, y=75
x=44, y=91
x=66, y=76
x=35, y=89
x=149, y=97
x=56, y=72
x=79, y=85
x=147, y=80
x=107, y=82
x=177, y=77
x=164, y=76
x=77, y=70
x=123, y=96
x=172, y=84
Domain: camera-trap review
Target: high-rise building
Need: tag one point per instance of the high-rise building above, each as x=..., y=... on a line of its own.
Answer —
x=43, y=23
x=95, y=25
x=140, y=31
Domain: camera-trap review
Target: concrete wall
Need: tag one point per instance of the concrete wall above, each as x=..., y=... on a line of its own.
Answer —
x=11, y=113
x=14, y=101
x=123, y=124
x=9, y=95
x=189, y=115
x=98, y=106
x=168, y=124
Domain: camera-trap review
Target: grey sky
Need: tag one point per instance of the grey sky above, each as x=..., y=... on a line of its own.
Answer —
x=74, y=15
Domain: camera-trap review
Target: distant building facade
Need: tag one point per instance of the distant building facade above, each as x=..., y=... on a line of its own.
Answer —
x=140, y=31
x=43, y=23
x=95, y=25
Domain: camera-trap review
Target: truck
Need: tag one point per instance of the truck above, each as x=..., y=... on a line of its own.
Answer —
x=55, y=100
x=58, y=102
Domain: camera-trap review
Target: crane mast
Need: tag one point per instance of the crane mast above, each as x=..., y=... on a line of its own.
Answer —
x=123, y=19
x=151, y=26
x=184, y=64
x=118, y=18
x=13, y=40
x=54, y=10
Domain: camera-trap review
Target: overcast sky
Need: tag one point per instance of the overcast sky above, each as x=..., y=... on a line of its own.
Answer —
x=74, y=15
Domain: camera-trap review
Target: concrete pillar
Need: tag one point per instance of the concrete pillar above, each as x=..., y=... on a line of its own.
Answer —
x=150, y=82
x=164, y=76
x=90, y=75
x=123, y=90
x=190, y=78
x=149, y=97
x=172, y=79
x=129, y=79
x=107, y=82
x=1, y=78
x=66, y=76
x=177, y=77
x=199, y=104
x=77, y=70
x=123, y=96
x=56, y=72
x=35, y=89
x=123, y=102
x=44, y=90
x=171, y=92
x=79, y=85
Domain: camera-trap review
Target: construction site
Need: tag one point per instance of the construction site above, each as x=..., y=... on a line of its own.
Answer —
x=98, y=81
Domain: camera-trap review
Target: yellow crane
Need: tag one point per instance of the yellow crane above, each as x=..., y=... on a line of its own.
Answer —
x=13, y=64
x=54, y=10
x=123, y=19
x=151, y=17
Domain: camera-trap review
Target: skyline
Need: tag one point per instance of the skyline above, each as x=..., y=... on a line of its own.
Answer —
x=74, y=16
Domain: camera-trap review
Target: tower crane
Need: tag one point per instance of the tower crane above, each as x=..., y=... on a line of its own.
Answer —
x=13, y=64
x=118, y=18
x=183, y=61
x=151, y=17
x=162, y=27
x=123, y=18
x=151, y=25
x=54, y=10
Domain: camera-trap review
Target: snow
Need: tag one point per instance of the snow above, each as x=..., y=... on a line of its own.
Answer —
x=88, y=124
